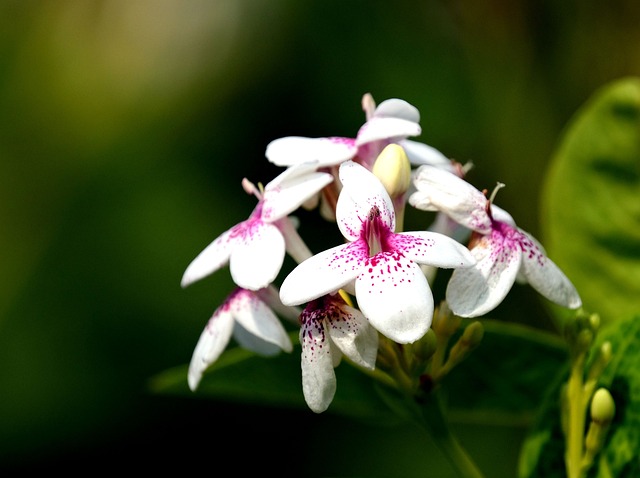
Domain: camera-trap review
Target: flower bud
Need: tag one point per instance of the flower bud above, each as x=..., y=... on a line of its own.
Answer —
x=603, y=407
x=470, y=339
x=424, y=348
x=393, y=169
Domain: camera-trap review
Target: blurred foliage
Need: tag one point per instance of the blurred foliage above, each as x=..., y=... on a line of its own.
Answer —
x=543, y=451
x=592, y=201
x=127, y=127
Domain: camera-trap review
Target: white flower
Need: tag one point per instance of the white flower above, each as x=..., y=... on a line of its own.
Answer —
x=393, y=120
x=255, y=248
x=380, y=265
x=504, y=252
x=247, y=316
x=330, y=329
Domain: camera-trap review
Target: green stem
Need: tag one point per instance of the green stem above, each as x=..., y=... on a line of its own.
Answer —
x=431, y=417
x=576, y=422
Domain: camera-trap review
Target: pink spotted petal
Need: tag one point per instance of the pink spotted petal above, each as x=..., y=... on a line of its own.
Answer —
x=361, y=193
x=439, y=190
x=318, y=376
x=355, y=337
x=394, y=295
x=432, y=248
x=474, y=291
x=323, y=273
x=546, y=277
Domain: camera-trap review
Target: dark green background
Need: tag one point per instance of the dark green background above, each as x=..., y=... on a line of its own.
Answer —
x=126, y=129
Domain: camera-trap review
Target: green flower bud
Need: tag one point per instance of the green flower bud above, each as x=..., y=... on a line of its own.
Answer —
x=603, y=408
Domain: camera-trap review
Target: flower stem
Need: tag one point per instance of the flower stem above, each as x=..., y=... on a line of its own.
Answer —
x=576, y=422
x=433, y=420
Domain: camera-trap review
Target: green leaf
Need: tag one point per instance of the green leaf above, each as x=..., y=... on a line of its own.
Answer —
x=496, y=385
x=591, y=201
x=543, y=451
x=242, y=376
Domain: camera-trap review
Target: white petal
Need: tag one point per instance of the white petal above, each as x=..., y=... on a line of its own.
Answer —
x=394, y=295
x=546, y=277
x=361, y=193
x=323, y=273
x=212, y=342
x=439, y=190
x=255, y=344
x=420, y=153
x=285, y=195
x=476, y=290
x=379, y=128
x=213, y=257
x=256, y=259
x=259, y=320
x=271, y=296
x=501, y=215
x=355, y=337
x=318, y=376
x=397, y=108
x=443, y=224
x=292, y=150
x=433, y=249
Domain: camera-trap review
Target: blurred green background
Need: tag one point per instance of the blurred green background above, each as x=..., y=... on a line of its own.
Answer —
x=126, y=129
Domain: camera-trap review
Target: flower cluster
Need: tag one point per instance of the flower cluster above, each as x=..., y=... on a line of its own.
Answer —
x=374, y=288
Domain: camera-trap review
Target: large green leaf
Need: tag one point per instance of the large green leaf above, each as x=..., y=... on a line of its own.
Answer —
x=591, y=201
x=500, y=383
x=543, y=452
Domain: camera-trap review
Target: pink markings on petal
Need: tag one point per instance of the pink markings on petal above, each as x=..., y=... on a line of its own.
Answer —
x=417, y=246
x=326, y=311
x=386, y=266
x=341, y=140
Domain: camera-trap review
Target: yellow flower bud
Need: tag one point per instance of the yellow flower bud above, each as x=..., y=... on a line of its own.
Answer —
x=393, y=169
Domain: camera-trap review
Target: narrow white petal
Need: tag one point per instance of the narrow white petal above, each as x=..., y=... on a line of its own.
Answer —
x=420, y=153
x=257, y=259
x=318, y=376
x=355, y=337
x=432, y=248
x=545, y=276
x=212, y=342
x=323, y=273
x=259, y=320
x=292, y=150
x=476, y=290
x=394, y=295
x=289, y=195
x=380, y=128
x=439, y=190
x=361, y=193
x=212, y=258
